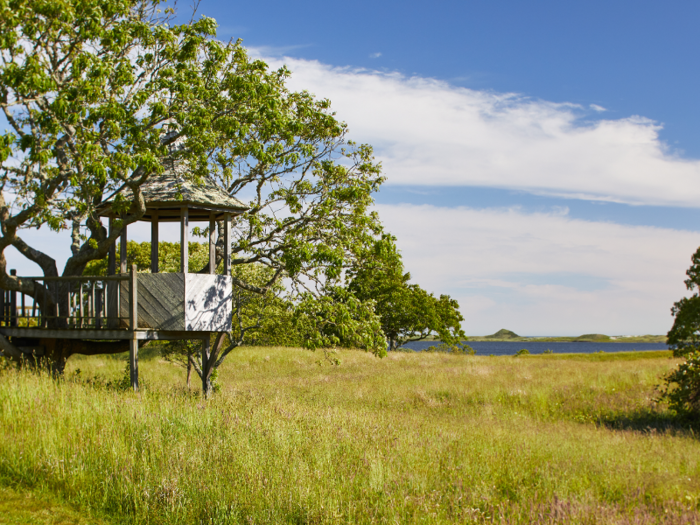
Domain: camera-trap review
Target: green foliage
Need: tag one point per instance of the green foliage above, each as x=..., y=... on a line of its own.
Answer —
x=594, y=338
x=684, y=336
x=407, y=312
x=214, y=380
x=338, y=318
x=97, y=94
x=139, y=253
x=681, y=387
x=449, y=349
x=522, y=352
x=263, y=319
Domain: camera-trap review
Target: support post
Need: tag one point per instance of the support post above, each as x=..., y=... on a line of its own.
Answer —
x=212, y=245
x=133, y=325
x=13, y=303
x=154, y=242
x=122, y=252
x=206, y=365
x=112, y=257
x=227, y=244
x=184, y=239
x=112, y=287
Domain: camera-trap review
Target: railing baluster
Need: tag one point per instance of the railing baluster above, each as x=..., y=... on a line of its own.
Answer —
x=70, y=305
x=80, y=304
x=34, y=303
x=92, y=303
x=13, y=302
x=42, y=310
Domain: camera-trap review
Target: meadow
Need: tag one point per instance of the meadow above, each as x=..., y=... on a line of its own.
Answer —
x=411, y=438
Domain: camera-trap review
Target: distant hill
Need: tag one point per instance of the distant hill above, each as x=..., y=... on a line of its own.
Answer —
x=503, y=334
x=593, y=338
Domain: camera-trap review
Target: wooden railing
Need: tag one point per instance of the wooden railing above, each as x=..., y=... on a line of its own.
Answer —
x=83, y=302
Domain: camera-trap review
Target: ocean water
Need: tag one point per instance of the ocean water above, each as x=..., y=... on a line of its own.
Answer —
x=510, y=347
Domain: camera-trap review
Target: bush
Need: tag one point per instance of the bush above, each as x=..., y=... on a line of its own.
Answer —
x=681, y=388
x=524, y=351
x=443, y=348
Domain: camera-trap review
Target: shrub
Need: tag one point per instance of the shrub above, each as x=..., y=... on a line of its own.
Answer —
x=524, y=351
x=461, y=349
x=681, y=387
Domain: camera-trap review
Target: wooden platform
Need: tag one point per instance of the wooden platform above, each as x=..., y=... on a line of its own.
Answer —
x=100, y=335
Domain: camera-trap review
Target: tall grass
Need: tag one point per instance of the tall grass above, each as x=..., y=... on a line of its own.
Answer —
x=413, y=438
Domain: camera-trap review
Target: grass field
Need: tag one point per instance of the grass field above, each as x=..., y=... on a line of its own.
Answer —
x=412, y=438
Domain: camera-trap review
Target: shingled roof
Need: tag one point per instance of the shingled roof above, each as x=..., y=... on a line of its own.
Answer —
x=169, y=192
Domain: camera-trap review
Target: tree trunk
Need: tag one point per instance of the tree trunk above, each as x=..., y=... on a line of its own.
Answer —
x=207, y=367
x=189, y=371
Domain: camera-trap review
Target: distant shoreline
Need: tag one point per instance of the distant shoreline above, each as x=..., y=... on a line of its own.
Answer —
x=587, y=338
x=580, y=339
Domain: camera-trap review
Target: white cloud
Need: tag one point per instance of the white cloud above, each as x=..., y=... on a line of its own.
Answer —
x=544, y=273
x=375, y=55
x=427, y=132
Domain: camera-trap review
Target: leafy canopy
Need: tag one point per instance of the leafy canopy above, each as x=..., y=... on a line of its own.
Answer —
x=96, y=94
x=407, y=312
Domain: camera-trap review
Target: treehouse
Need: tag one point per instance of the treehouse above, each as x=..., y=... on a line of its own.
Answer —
x=133, y=306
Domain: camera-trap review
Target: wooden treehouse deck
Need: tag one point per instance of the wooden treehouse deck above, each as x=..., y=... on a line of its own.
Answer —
x=165, y=306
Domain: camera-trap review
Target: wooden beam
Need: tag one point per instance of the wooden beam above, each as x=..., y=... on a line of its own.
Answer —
x=212, y=244
x=112, y=257
x=100, y=335
x=122, y=252
x=133, y=324
x=154, y=242
x=227, y=244
x=184, y=239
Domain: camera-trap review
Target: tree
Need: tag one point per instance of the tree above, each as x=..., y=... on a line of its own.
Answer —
x=96, y=93
x=682, y=386
x=407, y=312
x=265, y=319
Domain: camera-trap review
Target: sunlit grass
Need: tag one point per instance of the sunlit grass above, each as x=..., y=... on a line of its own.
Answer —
x=412, y=438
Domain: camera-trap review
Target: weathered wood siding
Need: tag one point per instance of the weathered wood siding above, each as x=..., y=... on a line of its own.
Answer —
x=208, y=306
x=181, y=302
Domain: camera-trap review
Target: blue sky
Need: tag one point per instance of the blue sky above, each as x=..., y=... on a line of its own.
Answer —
x=631, y=57
x=542, y=157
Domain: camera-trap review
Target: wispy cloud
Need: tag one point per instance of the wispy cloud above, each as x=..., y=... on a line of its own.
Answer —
x=544, y=273
x=274, y=53
x=375, y=55
x=428, y=132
